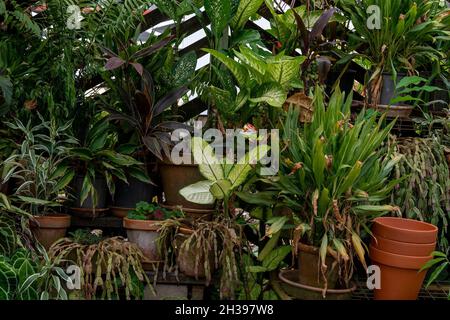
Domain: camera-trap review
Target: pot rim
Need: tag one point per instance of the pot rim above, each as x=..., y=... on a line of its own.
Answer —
x=51, y=221
x=311, y=288
x=143, y=225
x=397, y=260
x=406, y=232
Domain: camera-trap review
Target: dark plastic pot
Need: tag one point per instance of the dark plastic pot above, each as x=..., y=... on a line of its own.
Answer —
x=128, y=195
x=346, y=82
x=293, y=286
x=102, y=193
x=144, y=234
x=309, y=270
x=49, y=228
x=388, y=88
x=174, y=178
x=405, y=230
x=400, y=276
x=403, y=248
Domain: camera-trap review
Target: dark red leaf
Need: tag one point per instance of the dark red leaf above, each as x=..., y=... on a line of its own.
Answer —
x=138, y=67
x=321, y=23
x=114, y=63
x=165, y=102
x=149, y=50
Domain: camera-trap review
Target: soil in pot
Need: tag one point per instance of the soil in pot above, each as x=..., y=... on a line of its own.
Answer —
x=291, y=283
x=309, y=268
x=49, y=228
x=102, y=193
x=144, y=234
x=404, y=230
x=400, y=276
x=174, y=178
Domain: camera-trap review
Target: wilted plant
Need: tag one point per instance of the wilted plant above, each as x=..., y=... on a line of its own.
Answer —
x=207, y=245
x=106, y=265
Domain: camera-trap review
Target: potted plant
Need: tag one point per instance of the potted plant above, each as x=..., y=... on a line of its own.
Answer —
x=146, y=111
x=40, y=165
x=143, y=225
x=110, y=268
x=396, y=42
x=334, y=177
x=97, y=166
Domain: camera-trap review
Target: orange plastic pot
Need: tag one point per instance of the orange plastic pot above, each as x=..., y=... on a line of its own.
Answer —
x=403, y=248
x=400, y=278
x=404, y=230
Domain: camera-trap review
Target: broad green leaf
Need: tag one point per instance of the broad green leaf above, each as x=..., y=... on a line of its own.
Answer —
x=271, y=93
x=238, y=71
x=246, y=9
x=198, y=192
x=219, y=13
x=220, y=189
x=272, y=261
x=209, y=165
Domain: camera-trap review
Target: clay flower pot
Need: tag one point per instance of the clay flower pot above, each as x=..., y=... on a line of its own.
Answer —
x=144, y=234
x=400, y=276
x=403, y=248
x=291, y=284
x=50, y=228
x=309, y=270
x=404, y=230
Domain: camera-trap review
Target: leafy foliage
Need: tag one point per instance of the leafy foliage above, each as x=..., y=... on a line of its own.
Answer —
x=151, y=211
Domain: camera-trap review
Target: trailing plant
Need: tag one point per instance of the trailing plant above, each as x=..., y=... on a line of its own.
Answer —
x=106, y=266
x=214, y=243
x=151, y=211
x=425, y=193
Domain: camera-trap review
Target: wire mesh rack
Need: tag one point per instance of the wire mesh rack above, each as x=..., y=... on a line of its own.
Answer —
x=437, y=291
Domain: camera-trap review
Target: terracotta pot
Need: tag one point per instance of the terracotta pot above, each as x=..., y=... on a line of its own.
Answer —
x=120, y=212
x=309, y=268
x=176, y=177
x=144, y=234
x=403, y=248
x=400, y=279
x=205, y=214
x=405, y=230
x=291, y=284
x=50, y=228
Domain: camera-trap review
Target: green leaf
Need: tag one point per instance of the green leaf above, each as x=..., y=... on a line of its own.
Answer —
x=256, y=269
x=209, y=165
x=198, y=192
x=220, y=189
x=184, y=69
x=246, y=9
x=270, y=245
x=219, y=13
x=406, y=81
x=437, y=272
x=277, y=224
x=272, y=261
x=271, y=93
x=284, y=69
x=238, y=71
x=64, y=181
